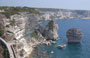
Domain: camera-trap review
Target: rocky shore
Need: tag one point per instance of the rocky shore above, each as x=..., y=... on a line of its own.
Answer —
x=38, y=53
x=39, y=39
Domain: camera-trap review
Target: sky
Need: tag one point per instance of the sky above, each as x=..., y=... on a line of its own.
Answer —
x=62, y=4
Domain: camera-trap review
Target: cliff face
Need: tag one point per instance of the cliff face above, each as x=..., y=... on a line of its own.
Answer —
x=18, y=29
x=2, y=26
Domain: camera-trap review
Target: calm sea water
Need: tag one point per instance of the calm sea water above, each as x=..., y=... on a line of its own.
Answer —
x=72, y=50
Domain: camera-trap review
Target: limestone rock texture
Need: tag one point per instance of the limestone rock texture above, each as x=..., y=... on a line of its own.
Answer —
x=2, y=25
x=50, y=30
x=74, y=35
x=20, y=26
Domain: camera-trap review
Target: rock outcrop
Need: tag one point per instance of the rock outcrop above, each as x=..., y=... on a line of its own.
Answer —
x=74, y=35
x=50, y=31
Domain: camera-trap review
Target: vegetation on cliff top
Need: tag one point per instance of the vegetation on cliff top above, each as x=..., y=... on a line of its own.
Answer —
x=15, y=10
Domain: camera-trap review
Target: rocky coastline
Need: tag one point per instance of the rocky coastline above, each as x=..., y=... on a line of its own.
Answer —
x=24, y=32
x=42, y=40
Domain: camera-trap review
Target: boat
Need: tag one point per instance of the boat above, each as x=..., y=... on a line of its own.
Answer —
x=52, y=52
x=62, y=46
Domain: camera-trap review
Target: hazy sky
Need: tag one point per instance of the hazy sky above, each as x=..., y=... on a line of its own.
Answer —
x=65, y=4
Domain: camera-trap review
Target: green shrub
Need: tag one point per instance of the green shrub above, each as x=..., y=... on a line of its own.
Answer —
x=10, y=32
x=7, y=25
x=33, y=34
x=1, y=32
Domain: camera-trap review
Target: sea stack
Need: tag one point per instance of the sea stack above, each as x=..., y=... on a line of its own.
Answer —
x=51, y=30
x=74, y=35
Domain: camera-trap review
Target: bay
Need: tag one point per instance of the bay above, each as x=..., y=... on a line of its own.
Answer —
x=81, y=50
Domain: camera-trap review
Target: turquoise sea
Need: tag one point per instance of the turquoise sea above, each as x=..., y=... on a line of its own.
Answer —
x=72, y=50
